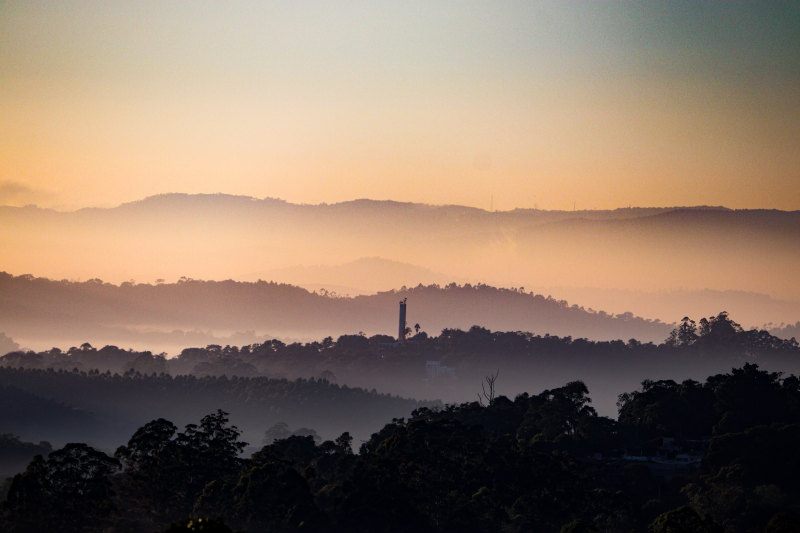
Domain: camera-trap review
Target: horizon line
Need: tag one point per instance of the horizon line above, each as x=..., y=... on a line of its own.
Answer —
x=62, y=209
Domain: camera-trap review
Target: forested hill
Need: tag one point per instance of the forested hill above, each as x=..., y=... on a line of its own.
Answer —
x=451, y=366
x=103, y=408
x=55, y=312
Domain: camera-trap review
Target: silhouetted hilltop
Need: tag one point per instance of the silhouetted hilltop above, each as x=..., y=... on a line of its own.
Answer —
x=43, y=310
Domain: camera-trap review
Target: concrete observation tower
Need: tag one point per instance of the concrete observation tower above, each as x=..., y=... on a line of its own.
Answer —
x=401, y=328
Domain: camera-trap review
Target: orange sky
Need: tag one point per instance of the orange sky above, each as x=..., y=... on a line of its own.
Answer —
x=513, y=104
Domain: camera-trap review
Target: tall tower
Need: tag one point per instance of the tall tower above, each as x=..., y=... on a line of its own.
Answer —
x=401, y=328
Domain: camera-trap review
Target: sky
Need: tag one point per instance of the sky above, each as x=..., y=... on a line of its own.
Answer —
x=497, y=105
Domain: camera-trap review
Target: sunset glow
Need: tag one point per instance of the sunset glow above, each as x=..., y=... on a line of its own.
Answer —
x=514, y=104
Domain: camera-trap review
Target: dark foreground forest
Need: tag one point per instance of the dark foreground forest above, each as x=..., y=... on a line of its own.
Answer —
x=681, y=455
x=702, y=457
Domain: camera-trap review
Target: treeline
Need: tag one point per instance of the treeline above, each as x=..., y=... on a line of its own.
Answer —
x=526, y=360
x=714, y=335
x=543, y=462
x=104, y=407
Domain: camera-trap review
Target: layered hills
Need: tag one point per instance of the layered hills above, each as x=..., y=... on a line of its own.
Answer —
x=640, y=260
x=43, y=313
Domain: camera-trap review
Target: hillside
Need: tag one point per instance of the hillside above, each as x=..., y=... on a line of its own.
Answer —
x=104, y=408
x=448, y=367
x=44, y=313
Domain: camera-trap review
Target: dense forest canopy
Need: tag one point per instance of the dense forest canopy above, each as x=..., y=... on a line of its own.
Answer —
x=712, y=456
x=678, y=453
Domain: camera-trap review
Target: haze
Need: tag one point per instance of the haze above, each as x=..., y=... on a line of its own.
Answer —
x=656, y=263
x=588, y=211
x=567, y=111
x=519, y=104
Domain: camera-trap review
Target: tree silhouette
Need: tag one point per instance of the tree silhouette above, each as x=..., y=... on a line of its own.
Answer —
x=487, y=388
x=70, y=489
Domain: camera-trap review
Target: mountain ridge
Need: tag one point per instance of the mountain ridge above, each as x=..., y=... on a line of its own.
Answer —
x=228, y=236
x=165, y=197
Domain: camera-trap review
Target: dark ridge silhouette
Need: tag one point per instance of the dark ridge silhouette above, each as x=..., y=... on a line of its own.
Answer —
x=119, y=403
x=37, y=416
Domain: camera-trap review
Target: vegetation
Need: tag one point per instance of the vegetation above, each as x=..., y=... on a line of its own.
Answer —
x=542, y=462
x=527, y=362
x=104, y=408
x=16, y=454
x=713, y=336
x=681, y=455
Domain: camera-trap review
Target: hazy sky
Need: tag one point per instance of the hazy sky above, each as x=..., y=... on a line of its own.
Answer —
x=547, y=104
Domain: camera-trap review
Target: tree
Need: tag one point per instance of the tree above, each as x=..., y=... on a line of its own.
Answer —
x=719, y=331
x=211, y=449
x=487, y=388
x=748, y=397
x=154, y=473
x=166, y=472
x=564, y=409
x=267, y=497
x=307, y=432
x=687, y=332
x=344, y=443
x=665, y=408
x=71, y=488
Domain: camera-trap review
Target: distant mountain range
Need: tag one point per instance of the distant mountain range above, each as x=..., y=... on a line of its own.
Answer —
x=643, y=260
